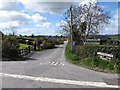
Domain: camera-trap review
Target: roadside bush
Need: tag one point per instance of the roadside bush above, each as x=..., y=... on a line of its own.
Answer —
x=103, y=64
x=96, y=62
x=84, y=51
x=38, y=42
x=114, y=66
x=31, y=42
x=59, y=41
x=90, y=50
x=70, y=56
x=91, y=60
x=47, y=45
x=10, y=47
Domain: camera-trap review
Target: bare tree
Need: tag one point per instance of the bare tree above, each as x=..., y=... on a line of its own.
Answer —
x=87, y=20
x=94, y=17
x=13, y=31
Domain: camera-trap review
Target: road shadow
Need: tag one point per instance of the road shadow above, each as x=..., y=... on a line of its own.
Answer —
x=20, y=59
x=28, y=57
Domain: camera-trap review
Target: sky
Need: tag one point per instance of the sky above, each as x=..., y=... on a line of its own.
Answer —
x=36, y=17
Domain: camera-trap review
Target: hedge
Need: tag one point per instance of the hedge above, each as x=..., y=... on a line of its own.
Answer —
x=10, y=47
x=91, y=50
x=92, y=62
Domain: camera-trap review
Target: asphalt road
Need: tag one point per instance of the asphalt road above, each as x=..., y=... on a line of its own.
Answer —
x=49, y=69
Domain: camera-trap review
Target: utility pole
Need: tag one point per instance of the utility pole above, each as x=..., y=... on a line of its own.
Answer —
x=71, y=31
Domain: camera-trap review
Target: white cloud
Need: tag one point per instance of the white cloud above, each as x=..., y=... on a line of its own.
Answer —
x=46, y=7
x=46, y=25
x=9, y=6
x=112, y=28
x=61, y=23
x=37, y=18
x=11, y=15
x=21, y=17
x=8, y=25
x=58, y=25
x=37, y=25
x=15, y=16
x=36, y=31
x=28, y=31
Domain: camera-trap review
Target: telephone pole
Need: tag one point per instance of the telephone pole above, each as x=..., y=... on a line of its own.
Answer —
x=71, y=31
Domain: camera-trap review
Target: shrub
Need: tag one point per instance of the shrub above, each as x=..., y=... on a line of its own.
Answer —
x=59, y=41
x=93, y=61
x=90, y=50
x=103, y=64
x=38, y=42
x=114, y=66
x=10, y=47
x=72, y=57
x=47, y=45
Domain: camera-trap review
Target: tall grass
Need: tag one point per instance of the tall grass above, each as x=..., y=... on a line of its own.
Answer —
x=70, y=56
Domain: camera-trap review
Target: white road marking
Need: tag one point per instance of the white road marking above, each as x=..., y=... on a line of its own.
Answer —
x=15, y=62
x=62, y=81
x=52, y=63
x=56, y=63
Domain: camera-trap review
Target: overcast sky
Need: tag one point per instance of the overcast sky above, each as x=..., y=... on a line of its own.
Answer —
x=43, y=18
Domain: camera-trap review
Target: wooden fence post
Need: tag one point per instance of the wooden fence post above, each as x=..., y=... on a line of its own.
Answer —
x=29, y=49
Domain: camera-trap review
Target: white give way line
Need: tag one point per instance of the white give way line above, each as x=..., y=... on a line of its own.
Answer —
x=62, y=81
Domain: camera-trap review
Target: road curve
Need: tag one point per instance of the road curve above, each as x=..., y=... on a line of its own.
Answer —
x=49, y=69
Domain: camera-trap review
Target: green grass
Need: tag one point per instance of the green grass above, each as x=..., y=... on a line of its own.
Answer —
x=70, y=56
x=115, y=37
x=26, y=37
x=22, y=46
x=93, y=62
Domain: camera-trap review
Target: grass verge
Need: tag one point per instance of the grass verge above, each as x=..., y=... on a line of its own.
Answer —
x=94, y=63
x=23, y=46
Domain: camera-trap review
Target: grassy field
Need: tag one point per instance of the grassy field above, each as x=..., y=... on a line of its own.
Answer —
x=23, y=37
x=23, y=46
x=115, y=37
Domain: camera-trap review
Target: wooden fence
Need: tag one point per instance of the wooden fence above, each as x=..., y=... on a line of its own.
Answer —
x=23, y=52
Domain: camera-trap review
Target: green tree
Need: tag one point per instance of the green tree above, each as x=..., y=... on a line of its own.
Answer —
x=10, y=47
x=38, y=42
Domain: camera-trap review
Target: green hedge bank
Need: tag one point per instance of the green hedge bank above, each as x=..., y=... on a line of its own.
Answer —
x=91, y=61
x=91, y=50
